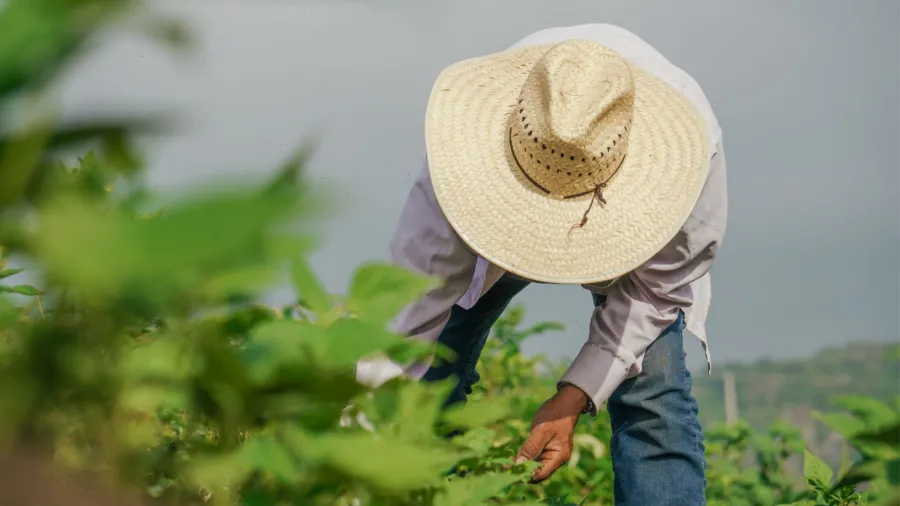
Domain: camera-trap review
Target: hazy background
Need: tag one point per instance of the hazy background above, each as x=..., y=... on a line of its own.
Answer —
x=807, y=93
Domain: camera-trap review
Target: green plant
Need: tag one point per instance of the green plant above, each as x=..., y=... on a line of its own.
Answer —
x=149, y=365
x=136, y=353
x=734, y=478
x=507, y=375
x=873, y=429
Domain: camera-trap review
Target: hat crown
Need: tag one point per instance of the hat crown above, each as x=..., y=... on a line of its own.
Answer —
x=570, y=126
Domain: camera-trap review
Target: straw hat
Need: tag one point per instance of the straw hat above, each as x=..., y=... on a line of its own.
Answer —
x=563, y=163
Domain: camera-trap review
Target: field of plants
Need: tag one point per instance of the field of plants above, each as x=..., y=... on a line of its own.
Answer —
x=136, y=361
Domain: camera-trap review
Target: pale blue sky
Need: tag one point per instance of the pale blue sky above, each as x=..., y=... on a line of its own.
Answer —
x=807, y=92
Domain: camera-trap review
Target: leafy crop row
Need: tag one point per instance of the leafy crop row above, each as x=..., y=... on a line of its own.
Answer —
x=132, y=350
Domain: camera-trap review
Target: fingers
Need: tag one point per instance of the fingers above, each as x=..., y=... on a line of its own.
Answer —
x=550, y=462
x=541, y=446
x=533, y=446
x=536, y=448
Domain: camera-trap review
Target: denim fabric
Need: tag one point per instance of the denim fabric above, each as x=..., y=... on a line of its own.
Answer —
x=657, y=443
x=467, y=331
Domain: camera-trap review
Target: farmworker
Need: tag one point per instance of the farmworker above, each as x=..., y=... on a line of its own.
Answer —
x=579, y=156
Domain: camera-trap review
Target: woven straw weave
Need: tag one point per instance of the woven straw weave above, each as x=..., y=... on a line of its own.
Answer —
x=518, y=142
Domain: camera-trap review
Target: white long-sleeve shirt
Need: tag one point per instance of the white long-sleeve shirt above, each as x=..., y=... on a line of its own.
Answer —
x=639, y=305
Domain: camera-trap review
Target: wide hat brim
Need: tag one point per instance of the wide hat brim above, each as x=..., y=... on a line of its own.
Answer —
x=511, y=223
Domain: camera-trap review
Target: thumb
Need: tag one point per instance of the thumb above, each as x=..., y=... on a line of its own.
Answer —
x=533, y=446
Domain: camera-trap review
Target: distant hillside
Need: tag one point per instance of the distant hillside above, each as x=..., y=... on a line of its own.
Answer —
x=770, y=390
x=791, y=390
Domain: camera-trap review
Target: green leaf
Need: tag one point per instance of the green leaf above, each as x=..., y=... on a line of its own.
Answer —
x=888, y=434
x=478, y=440
x=415, y=350
x=150, y=398
x=816, y=470
x=5, y=273
x=243, y=319
x=8, y=314
x=278, y=344
x=289, y=174
x=241, y=281
x=18, y=160
x=337, y=347
x=558, y=501
x=385, y=463
x=871, y=411
x=20, y=289
x=267, y=455
x=37, y=38
x=309, y=288
x=106, y=252
x=351, y=340
x=879, y=443
x=166, y=358
x=891, y=499
x=219, y=472
x=476, y=413
x=892, y=472
x=859, y=473
x=843, y=423
x=379, y=291
x=419, y=406
x=474, y=490
x=86, y=129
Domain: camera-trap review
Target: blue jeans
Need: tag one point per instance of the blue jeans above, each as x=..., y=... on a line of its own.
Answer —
x=657, y=444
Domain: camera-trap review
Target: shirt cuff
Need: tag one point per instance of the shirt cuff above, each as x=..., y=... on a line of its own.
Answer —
x=597, y=373
x=376, y=371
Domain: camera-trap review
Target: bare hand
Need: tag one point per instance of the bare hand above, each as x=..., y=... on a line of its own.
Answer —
x=552, y=431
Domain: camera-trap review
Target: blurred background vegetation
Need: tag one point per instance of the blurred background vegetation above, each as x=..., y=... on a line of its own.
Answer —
x=136, y=365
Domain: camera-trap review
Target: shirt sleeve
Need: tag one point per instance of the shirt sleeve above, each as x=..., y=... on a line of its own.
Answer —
x=424, y=242
x=645, y=302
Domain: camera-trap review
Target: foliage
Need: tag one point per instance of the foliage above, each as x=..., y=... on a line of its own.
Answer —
x=769, y=390
x=873, y=428
x=525, y=383
x=134, y=352
x=764, y=482
x=145, y=360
